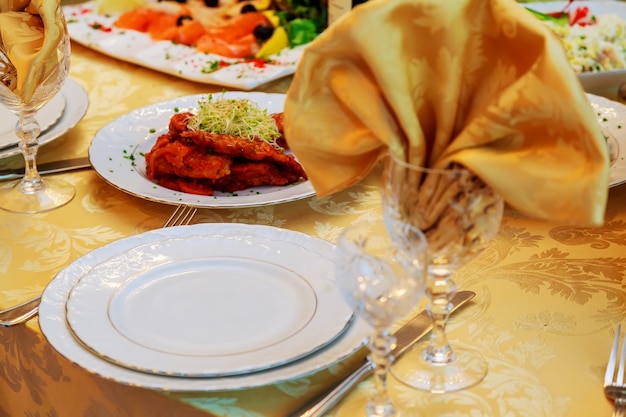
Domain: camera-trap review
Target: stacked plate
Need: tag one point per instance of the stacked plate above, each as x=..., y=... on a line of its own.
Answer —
x=59, y=115
x=202, y=308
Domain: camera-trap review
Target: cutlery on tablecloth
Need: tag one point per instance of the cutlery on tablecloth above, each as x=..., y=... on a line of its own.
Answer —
x=47, y=168
x=614, y=387
x=406, y=336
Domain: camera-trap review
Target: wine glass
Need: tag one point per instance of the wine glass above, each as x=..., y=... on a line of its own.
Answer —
x=382, y=281
x=459, y=215
x=32, y=194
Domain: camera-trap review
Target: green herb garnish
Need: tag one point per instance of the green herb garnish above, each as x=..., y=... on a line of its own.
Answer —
x=235, y=117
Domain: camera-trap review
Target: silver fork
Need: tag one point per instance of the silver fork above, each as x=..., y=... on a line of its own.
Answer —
x=614, y=387
x=25, y=311
x=181, y=216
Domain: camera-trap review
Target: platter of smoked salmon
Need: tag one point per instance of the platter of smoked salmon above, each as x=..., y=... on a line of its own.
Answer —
x=215, y=46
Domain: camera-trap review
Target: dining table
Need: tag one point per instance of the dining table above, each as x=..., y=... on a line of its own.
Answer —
x=549, y=296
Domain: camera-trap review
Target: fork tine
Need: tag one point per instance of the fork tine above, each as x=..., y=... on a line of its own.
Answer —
x=181, y=216
x=610, y=367
x=620, y=371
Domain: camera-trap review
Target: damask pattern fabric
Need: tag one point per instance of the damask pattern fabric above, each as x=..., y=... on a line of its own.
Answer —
x=549, y=296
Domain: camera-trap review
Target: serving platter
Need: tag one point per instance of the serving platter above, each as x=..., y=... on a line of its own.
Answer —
x=117, y=154
x=54, y=326
x=76, y=103
x=209, y=305
x=97, y=32
x=612, y=117
x=591, y=81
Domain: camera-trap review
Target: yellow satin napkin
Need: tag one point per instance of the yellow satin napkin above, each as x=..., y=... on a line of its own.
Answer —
x=30, y=32
x=482, y=83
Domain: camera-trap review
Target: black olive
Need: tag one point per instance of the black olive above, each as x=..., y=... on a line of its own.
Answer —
x=179, y=21
x=248, y=8
x=263, y=32
x=212, y=3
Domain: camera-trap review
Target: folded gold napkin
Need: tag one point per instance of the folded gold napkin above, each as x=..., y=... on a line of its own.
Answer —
x=482, y=83
x=30, y=32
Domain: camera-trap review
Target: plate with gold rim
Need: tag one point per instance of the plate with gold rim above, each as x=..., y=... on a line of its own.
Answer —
x=209, y=305
x=54, y=326
x=117, y=153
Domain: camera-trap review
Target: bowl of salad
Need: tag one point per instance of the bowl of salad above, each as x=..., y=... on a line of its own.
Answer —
x=593, y=34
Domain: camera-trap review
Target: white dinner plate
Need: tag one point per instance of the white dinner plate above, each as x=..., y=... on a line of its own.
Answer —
x=117, y=154
x=209, y=305
x=97, y=32
x=52, y=316
x=76, y=103
x=46, y=117
x=612, y=117
x=591, y=81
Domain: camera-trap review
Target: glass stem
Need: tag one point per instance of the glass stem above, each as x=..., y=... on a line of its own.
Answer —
x=440, y=291
x=380, y=345
x=27, y=130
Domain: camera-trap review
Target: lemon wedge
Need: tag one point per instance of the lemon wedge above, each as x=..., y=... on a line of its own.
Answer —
x=272, y=17
x=275, y=44
x=263, y=4
x=117, y=6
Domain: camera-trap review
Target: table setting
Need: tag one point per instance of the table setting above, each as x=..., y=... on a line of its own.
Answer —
x=452, y=245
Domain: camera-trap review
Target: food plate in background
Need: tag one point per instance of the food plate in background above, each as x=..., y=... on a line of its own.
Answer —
x=46, y=117
x=117, y=154
x=612, y=117
x=591, y=81
x=97, y=32
x=52, y=314
x=209, y=305
x=76, y=103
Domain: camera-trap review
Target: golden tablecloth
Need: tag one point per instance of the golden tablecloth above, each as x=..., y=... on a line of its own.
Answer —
x=549, y=297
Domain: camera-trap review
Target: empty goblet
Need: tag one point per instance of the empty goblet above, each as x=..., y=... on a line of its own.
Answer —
x=382, y=281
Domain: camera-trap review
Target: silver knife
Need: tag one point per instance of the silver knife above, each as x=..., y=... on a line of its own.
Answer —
x=406, y=336
x=47, y=168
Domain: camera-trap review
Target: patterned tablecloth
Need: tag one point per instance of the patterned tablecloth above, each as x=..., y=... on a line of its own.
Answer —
x=548, y=296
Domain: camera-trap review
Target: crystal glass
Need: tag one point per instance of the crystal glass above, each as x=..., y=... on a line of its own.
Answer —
x=382, y=281
x=459, y=215
x=32, y=194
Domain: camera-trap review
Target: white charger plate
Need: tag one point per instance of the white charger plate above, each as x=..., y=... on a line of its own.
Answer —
x=612, y=117
x=52, y=317
x=46, y=117
x=97, y=32
x=117, y=154
x=591, y=81
x=209, y=305
x=76, y=102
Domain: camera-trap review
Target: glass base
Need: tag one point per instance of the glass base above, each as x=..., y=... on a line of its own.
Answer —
x=54, y=193
x=468, y=368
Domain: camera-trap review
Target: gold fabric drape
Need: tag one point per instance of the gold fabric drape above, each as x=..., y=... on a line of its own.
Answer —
x=481, y=83
x=29, y=35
